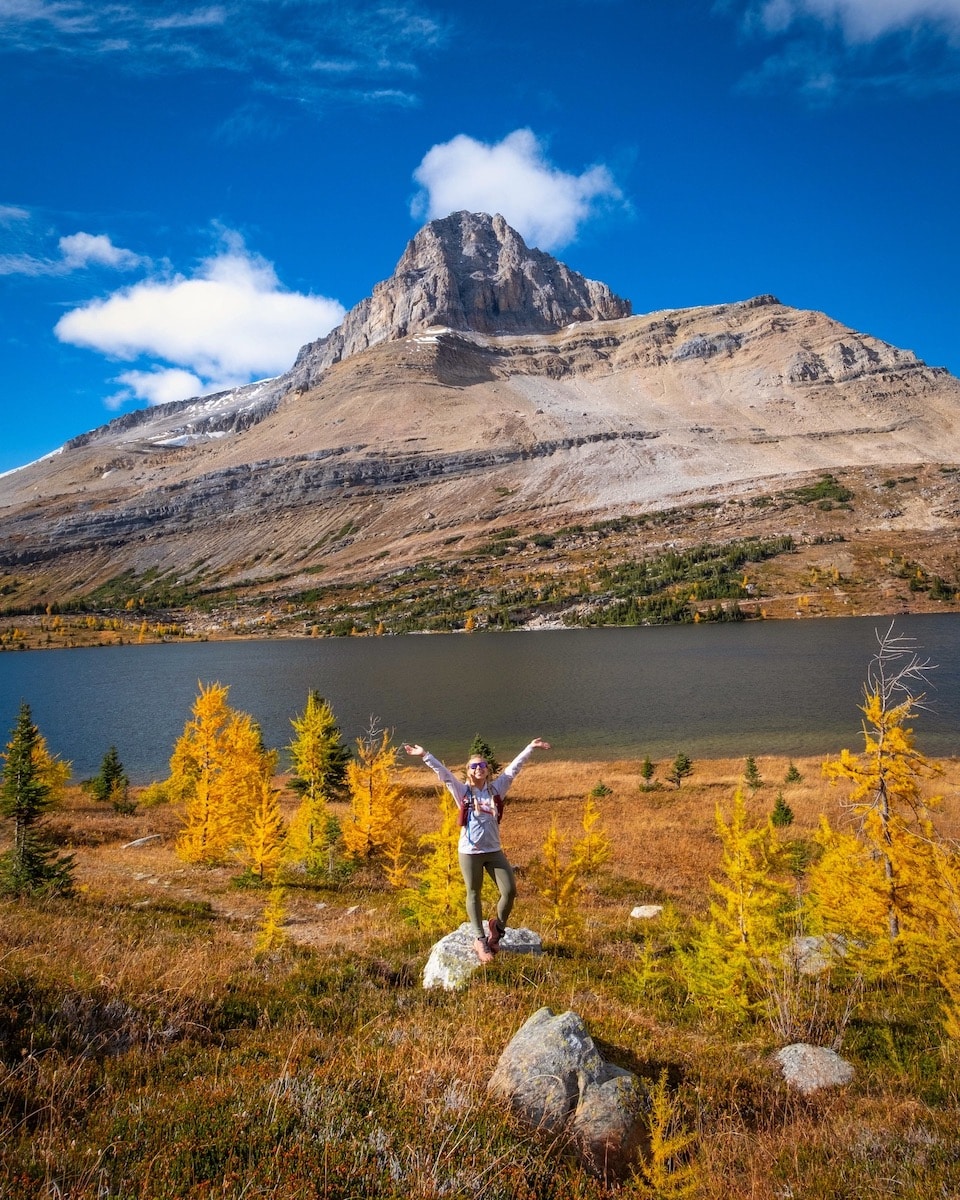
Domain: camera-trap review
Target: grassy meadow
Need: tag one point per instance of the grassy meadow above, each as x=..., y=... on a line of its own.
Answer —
x=146, y=1051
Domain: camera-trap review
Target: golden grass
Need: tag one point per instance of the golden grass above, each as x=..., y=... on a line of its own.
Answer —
x=159, y=1059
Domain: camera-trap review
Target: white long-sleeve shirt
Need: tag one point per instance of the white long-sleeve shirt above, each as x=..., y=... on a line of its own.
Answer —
x=481, y=833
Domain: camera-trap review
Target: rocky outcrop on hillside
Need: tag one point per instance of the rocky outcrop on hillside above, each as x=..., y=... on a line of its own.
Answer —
x=468, y=271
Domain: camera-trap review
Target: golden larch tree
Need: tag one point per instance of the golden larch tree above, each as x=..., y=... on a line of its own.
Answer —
x=882, y=883
x=216, y=773
x=378, y=811
x=264, y=841
x=320, y=764
x=746, y=924
x=438, y=893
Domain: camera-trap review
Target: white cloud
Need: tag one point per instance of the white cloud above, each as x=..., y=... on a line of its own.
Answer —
x=10, y=214
x=512, y=177
x=862, y=20
x=828, y=48
x=86, y=249
x=229, y=323
x=160, y=386
x=77, y=252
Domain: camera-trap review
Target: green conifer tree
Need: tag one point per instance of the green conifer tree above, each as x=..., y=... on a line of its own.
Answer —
x=111, y=785
x=751, y=773
x=782, y=814
x=32, y=784
x=319, y=756
x=680, y=768
x=480, y=746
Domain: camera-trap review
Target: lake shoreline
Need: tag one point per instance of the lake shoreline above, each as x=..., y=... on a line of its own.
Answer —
x=36, y=633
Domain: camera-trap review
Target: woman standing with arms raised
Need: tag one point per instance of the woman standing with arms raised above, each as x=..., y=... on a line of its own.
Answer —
x=480, y=805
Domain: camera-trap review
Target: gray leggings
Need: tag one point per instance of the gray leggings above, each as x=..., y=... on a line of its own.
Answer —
x=498, y=868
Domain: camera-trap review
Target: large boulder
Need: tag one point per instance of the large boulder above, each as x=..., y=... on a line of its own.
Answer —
x=453, y=959
x=809, y=1069
x=556, y=1081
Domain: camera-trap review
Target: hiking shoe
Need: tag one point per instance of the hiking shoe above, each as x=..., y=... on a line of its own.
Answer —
x=483, y=951
x=497, y=930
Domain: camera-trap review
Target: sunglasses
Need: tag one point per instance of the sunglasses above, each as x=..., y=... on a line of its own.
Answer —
x=474, y=765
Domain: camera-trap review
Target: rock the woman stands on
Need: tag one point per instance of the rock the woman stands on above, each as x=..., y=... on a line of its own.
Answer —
x=480, y=805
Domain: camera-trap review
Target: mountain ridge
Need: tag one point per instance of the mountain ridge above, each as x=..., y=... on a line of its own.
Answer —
x=430, y=436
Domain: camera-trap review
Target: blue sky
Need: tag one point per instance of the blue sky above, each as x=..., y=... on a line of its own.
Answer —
x=191, y=190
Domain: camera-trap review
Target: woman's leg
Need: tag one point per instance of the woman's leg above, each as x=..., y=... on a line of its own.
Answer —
x=499, y=869
x=472, y=867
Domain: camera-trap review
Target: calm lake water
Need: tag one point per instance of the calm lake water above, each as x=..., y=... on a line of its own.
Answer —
x=786, y=687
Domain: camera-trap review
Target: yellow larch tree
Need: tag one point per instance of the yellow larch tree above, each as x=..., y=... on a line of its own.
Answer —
x=320, y=762
x=216, y=774
x=882, y=887
x=557, y=879
x=270, y=935
x=559, y=873
x=746, y=923
x=593, y=849
x=264, y=841
x=378, y=811
x=438, y=893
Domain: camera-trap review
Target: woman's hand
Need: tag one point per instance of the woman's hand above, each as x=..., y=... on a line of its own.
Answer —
x=416, y=751
x=540, y=744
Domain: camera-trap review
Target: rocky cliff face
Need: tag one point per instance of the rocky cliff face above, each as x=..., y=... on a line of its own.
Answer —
x=468, y=271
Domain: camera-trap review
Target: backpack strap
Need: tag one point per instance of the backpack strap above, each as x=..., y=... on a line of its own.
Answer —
x=463, y=815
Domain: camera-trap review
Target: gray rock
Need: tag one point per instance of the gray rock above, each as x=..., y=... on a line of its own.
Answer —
x=812, y=955
x=809, y=1069
x=465, y=271
x=453, y=959
x=556, y=1081
x=607, y=1124
x=646, y=912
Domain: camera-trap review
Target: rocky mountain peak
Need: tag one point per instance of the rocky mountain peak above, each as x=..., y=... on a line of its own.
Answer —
x=467, y=271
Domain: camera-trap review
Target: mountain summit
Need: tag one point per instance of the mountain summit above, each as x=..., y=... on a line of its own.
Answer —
x=470, y=272
x=486, y=412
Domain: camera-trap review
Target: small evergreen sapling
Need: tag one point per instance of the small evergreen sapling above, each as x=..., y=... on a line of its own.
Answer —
x=112, y=785
x=782, y=814
x=680, y=768
x=482, y=747
x=647, y=769
x=751, y=773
